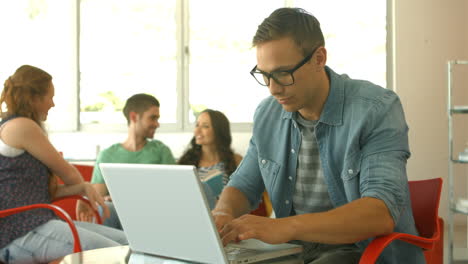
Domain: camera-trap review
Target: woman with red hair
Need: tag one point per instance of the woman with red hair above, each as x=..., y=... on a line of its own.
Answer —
x=28, y=166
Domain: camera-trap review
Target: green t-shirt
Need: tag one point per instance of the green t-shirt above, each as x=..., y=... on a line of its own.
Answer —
x=154, y=152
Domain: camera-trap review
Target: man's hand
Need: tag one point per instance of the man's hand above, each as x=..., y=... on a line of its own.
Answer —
x=221, y=219
x=268, y=230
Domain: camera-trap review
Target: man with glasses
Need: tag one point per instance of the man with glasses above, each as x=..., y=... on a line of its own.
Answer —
x=331, y=152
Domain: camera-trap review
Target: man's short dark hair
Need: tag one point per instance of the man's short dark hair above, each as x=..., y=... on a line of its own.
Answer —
x=295, y=23
x=139, y=103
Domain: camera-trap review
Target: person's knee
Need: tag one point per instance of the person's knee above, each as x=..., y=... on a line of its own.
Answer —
x=99, y=236
x=17, y=254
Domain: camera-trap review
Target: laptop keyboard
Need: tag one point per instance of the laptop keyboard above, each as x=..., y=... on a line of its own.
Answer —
x=237, y=250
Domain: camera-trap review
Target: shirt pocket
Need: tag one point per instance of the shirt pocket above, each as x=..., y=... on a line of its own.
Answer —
x=351, y=166
x=269, y=169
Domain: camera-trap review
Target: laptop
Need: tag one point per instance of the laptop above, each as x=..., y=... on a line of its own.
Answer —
x=164, y=212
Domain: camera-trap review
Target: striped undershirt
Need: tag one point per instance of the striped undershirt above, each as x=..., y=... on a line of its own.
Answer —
x=311, y=192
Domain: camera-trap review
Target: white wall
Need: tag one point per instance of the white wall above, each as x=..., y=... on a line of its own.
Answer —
x=428, y=33
x=84, y=145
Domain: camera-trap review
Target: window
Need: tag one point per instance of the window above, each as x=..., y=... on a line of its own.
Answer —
x=221, y=56
x=356, y=41
x=126, y=47
x=42, y=33
x=191, y=55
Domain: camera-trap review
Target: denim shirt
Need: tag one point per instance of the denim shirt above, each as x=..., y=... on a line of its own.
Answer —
x=362, y=137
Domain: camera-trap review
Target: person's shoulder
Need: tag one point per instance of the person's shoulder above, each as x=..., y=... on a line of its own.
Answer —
x=21, y=132
x=21, y=124
x=21, y=121
x=111, y=150
x=157, y=145
x=366, y=92
x=360, y=88
x=159, y=152
x=113, y=147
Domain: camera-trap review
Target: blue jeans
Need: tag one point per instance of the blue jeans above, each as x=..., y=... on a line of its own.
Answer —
x=113, y=220
x=317, y=253
x=54, y=239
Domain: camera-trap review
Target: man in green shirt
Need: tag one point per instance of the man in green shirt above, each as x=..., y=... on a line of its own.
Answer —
x=142, y=114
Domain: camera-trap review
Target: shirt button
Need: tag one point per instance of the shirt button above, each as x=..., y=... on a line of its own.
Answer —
x=286, y=202
x=290, y=178
x=293, y=151
x=350, y=171
x=263, y=161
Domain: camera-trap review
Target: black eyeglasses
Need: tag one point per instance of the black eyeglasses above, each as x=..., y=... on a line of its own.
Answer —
x=284, y=78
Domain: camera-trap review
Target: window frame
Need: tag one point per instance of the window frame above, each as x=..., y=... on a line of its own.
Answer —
x=182, y=85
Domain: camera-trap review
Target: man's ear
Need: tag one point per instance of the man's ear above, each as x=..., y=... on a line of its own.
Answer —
x=321, y=57
x=133, y=116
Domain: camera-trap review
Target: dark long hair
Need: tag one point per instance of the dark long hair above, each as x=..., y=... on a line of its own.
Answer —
x=223, y=140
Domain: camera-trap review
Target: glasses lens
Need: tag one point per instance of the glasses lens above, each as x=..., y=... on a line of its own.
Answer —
x=261, y=78
x=283, y=78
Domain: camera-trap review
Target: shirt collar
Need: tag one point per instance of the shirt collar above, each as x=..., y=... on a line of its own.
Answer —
x=332, y=112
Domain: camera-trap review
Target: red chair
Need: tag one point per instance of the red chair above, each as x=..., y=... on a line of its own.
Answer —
x=260, y=211
x=425, y=198
x=68, y=203
x=265, y=207
x=85, y=170
x=57, y=210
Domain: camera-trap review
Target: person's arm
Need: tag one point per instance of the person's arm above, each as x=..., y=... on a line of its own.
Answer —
x=232, y=202
x=237, y=159
x=83, y=211
x=23, y=133
x=166, y=155
x=360, y=219
x=101, y=188
x=363, y=218
x=373, y=214
x=355, y=221
x=230, y=205
x=245, y=186
x=97, y=179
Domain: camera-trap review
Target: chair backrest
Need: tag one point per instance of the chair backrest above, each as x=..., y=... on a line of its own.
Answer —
x=425, y=198
x=85, y=170
x=69, y=205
